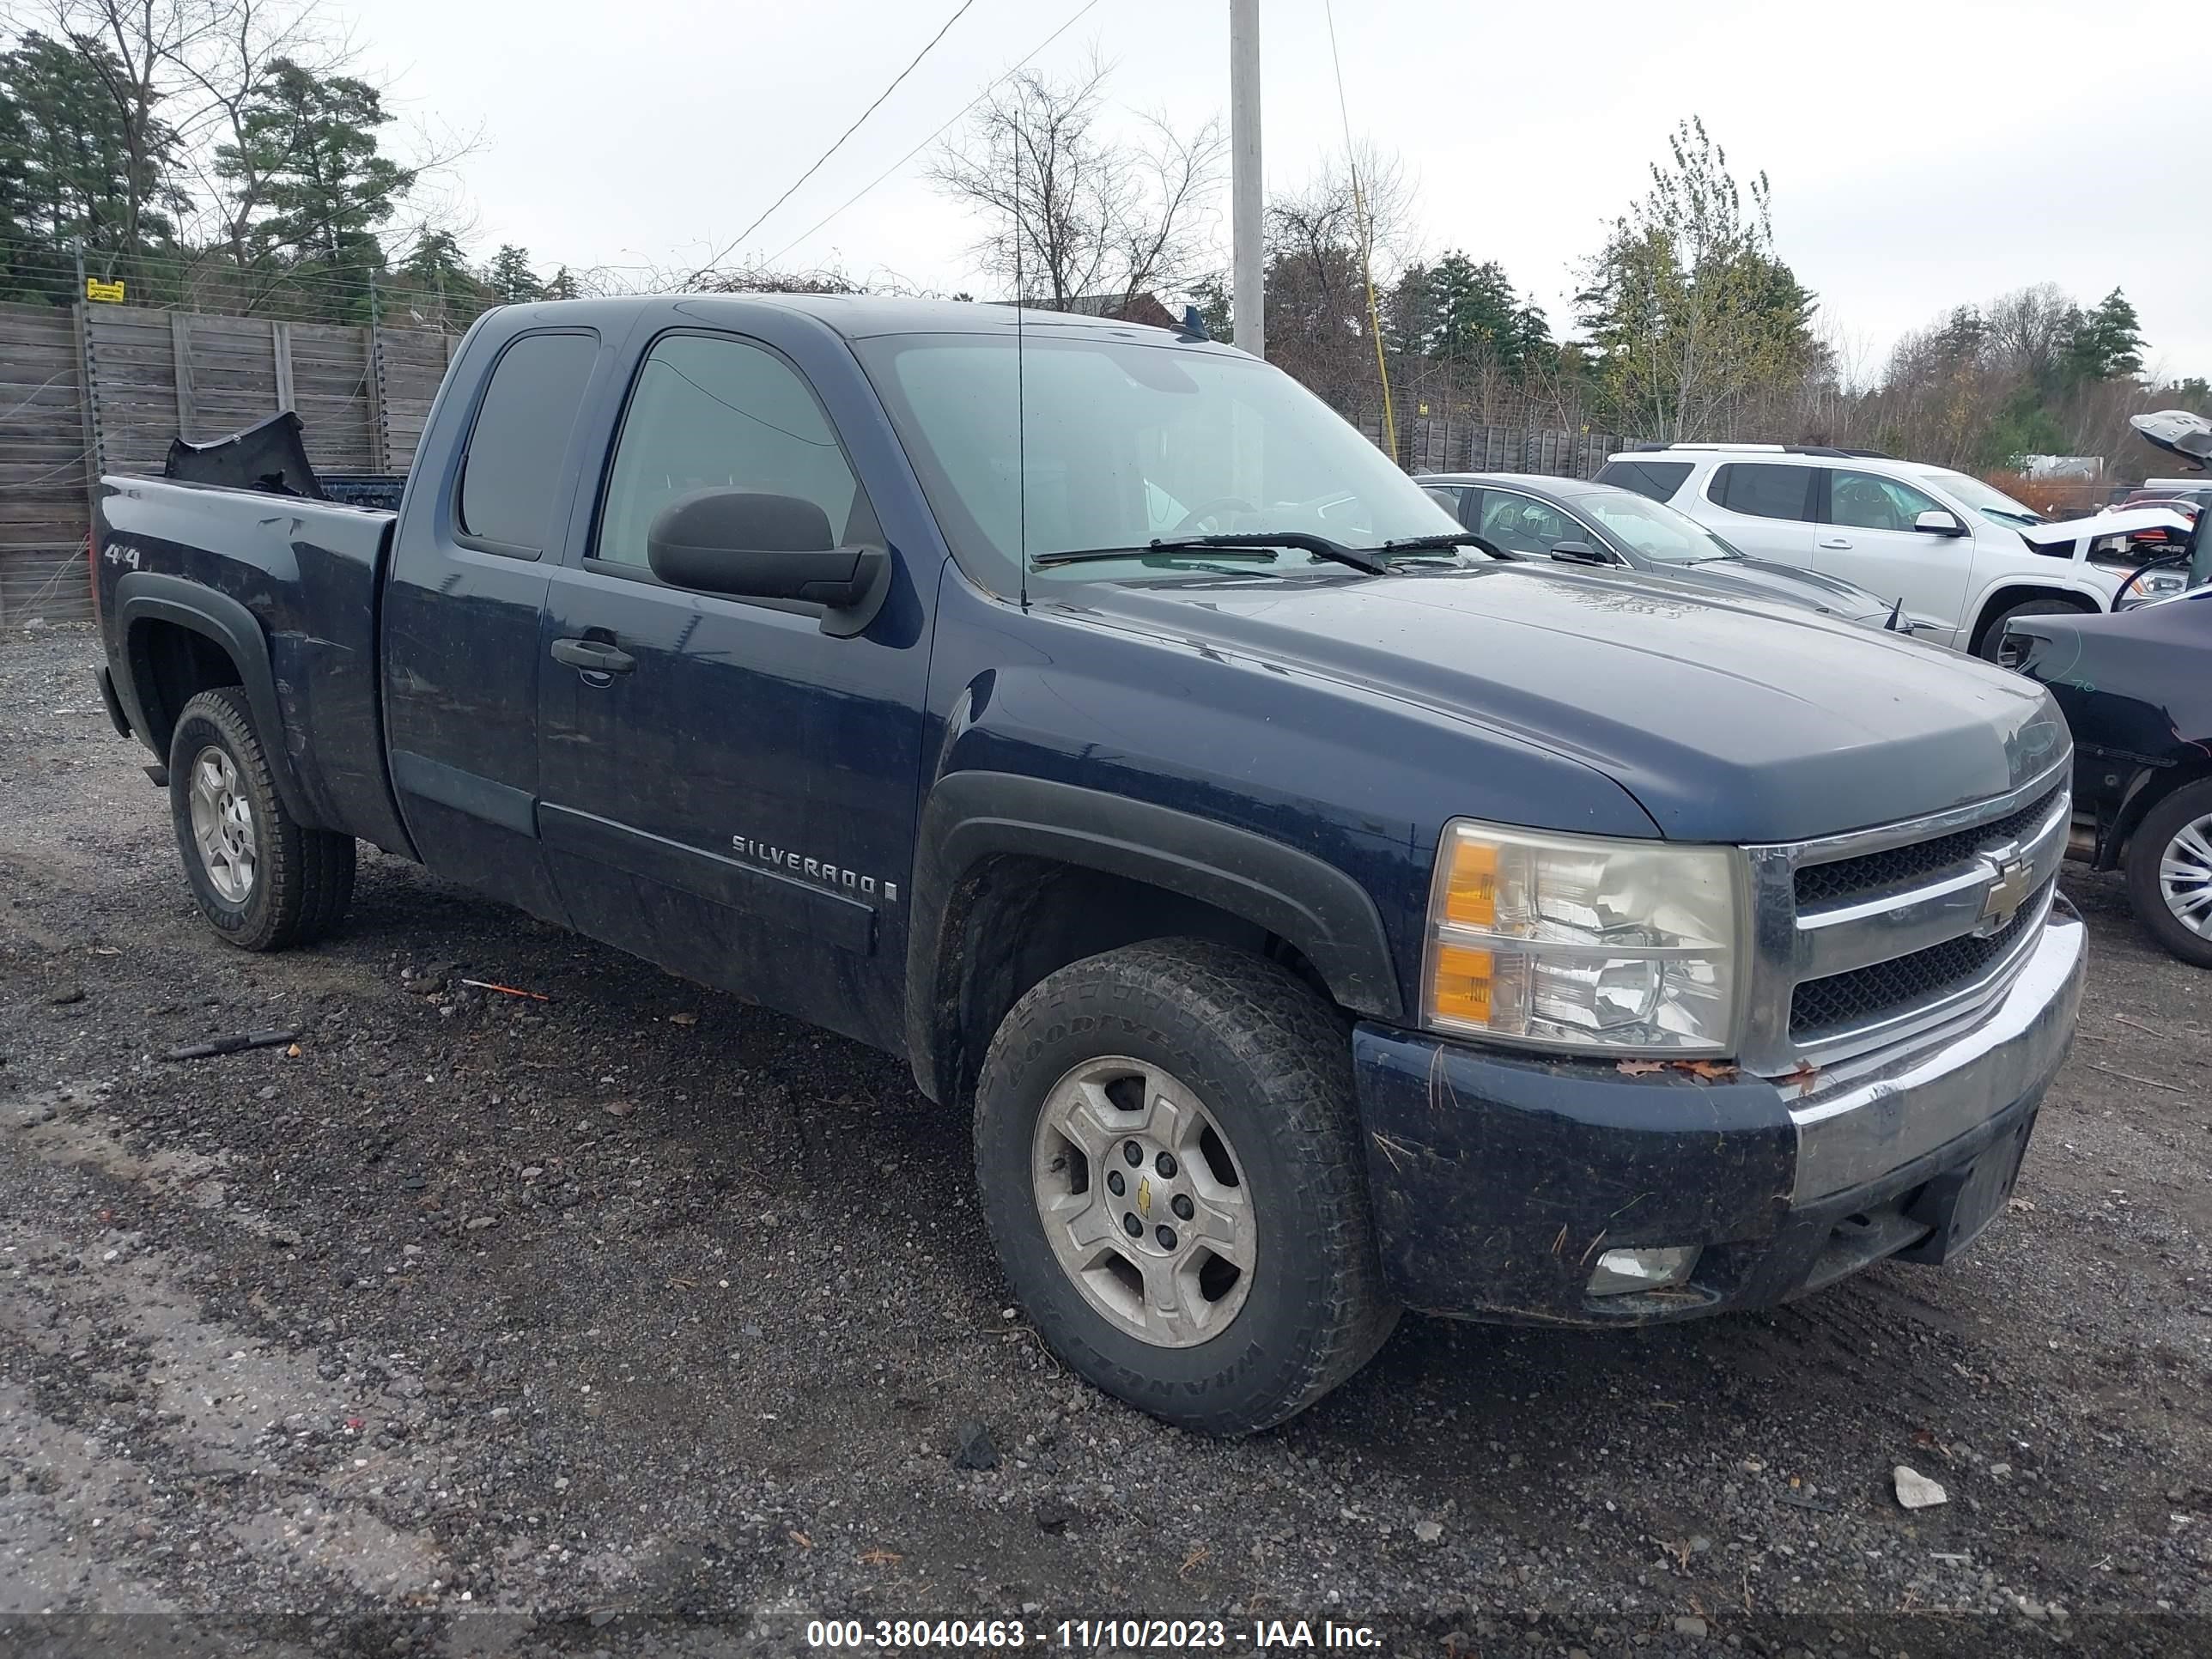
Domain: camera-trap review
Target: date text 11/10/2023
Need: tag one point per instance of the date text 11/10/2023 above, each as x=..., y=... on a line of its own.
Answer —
x=1164, y=1635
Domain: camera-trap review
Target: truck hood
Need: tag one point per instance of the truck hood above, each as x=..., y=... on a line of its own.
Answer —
x=1728, y=721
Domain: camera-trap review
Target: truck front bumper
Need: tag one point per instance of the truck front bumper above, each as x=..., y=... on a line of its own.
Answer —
x=1501, y=1182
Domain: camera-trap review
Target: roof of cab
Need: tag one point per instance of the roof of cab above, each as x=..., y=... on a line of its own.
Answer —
x=859, y=316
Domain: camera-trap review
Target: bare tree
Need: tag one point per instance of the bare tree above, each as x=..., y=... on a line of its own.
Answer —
x=139, y=50
x=233, y=66
x=1069, y=209
x=1323, y=239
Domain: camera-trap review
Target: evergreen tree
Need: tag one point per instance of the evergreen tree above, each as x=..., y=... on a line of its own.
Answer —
x=2104, y=344
x=1478, y=313
x=65, y=167
x=313, y=140
x=442, y=288
x=509, y=277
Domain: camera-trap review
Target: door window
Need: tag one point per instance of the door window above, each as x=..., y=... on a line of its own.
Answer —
x=1520, y=524
x=1765, y=490
x=1862, y=501
x=519, y=443
x=708, y=412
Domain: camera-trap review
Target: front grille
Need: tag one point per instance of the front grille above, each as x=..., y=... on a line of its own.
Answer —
x=1868, y=994
x=1847, y=878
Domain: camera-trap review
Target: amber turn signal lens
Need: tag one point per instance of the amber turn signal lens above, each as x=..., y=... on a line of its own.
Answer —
x=1463, y=982
x=1471, y=889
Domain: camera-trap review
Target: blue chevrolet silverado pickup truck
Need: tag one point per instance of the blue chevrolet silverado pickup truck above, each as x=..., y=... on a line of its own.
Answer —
x=1319, y=916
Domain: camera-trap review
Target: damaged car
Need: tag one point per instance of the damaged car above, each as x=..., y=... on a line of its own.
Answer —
x=1961, y=558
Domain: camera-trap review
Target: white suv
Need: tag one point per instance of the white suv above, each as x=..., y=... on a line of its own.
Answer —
x=1962, y=558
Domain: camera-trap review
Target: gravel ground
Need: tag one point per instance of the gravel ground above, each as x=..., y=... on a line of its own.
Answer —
x=642, y=1320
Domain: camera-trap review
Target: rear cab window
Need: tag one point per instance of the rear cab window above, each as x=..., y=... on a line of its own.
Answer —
x=518, y=447
x=1657, y=479
x=1765, y=490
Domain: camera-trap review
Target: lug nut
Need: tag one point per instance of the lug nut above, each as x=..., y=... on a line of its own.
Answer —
x=1182, y=1207
x=1166, y=1236
x=1115, y=1184
x=1131, y=1153
x=1130, y=1226
x=1165, y=1165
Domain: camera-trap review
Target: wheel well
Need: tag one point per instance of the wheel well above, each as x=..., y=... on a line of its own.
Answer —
x=1015, y=919
x=2005, y=598
x=2155, y=788
x=170, y=666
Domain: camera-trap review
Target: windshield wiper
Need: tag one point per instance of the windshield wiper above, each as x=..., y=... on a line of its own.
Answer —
x=1260, y=547
x=1450, y=538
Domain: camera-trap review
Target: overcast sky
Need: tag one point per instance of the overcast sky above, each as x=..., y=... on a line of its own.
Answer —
x=1922, y=154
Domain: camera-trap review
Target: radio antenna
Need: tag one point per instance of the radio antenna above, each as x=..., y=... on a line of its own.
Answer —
x=1021, y=413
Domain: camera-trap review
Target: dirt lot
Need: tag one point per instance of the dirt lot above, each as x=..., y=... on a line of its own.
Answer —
x=640, y=1320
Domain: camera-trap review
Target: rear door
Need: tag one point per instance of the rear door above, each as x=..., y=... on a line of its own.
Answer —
x=459, y=631
x=1866, y=536
x=727, y=790
x=1764, y=508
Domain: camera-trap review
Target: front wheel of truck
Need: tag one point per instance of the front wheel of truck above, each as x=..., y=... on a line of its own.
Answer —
x=263, y=881
x=1169, y=1157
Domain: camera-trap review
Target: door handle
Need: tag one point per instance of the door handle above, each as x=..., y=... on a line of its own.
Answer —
x=1835, y=541
x=594, y=656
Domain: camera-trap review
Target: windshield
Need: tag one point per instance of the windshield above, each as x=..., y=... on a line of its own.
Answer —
x=1652, y=528
x=1124, y=443
x=1991, y=503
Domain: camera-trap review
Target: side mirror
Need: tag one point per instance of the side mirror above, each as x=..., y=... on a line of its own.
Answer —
x=1577, y=553
x=752, y=545
x=1939, y=523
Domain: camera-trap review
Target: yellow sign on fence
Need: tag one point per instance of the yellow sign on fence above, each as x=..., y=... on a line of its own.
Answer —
x=96, y=289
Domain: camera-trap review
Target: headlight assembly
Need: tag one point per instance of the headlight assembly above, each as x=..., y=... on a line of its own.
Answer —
x=1583, y=942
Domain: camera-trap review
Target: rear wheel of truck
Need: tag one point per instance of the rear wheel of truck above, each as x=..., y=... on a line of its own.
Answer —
x=262, y=881
x=1170, y=1162
x=2169, y=872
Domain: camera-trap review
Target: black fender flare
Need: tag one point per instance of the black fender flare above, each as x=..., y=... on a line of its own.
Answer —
x=144, y=596
x=971, y=817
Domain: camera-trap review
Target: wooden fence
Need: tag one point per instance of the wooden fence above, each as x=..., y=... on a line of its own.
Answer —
x=103, y=388
x=1436, y=444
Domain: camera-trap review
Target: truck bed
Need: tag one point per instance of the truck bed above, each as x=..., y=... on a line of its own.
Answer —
x=289, y=588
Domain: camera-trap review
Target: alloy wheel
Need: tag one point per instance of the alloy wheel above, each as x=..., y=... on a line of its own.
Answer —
x=222, y=825
x=1144, y=1203
x=2185, y=875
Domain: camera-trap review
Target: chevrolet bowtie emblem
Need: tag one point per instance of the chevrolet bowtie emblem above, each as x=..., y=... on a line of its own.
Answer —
x=1145, y=1198
x=2008, y=892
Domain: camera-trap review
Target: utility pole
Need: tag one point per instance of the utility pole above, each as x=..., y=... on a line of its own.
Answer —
x=1247, y=298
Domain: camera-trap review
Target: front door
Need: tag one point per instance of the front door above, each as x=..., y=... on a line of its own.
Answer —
x=728, y=790
x=1866, y=536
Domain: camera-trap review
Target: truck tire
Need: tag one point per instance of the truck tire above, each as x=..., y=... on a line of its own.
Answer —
x=2169, y=872
x=1171, y=1169
x=1993, y=640
x=262, y=881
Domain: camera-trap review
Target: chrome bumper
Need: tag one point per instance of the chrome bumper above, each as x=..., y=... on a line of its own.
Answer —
x=1861, y=1120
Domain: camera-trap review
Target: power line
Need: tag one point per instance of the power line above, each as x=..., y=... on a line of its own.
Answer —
x=961, y=11
x=1366, y=237
x=1034, y=51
